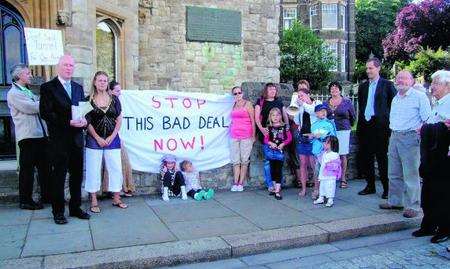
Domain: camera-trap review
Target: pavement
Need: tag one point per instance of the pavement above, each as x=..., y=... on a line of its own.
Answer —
x=391, y=250
x=154, y=233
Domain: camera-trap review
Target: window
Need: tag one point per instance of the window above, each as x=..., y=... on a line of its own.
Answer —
x=12, y=42
x=313, y=16
x=343, y=57
x=329, y=16
x=106, y=48
x=333, y=47
x=342, y=14
x=289, y=16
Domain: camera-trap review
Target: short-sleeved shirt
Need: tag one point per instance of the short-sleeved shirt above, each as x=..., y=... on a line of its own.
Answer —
x=343, y=115
x=265, y=109
x=104, y=121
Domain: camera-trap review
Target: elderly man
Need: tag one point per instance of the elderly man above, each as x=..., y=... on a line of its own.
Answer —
x=409, y=110
x=375, y=97
x=435, y=163
x=31, y=134
x=66, y=138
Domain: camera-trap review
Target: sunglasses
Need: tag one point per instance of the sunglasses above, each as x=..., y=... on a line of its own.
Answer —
x=236, y=93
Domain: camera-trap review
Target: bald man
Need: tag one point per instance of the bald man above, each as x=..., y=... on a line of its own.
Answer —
x=409, y=110
x=66, y=138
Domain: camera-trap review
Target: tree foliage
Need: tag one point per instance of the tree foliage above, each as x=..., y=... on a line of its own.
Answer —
x=426, y=62
x=304, y=55
x=424, y=24
x=374, y=19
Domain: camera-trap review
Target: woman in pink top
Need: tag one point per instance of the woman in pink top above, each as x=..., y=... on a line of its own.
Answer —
x=242, y=131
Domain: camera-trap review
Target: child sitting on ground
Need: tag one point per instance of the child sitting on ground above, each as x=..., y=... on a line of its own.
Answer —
x=173, y=179
x=192, y=179
x=320, y=129
x=330, y=171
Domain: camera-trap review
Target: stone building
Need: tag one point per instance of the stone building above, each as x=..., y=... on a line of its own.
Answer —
x=332, y=20
x=144, y=44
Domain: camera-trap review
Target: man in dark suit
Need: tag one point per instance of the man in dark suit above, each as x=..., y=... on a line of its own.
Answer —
x=374, y=102
x=66, y=138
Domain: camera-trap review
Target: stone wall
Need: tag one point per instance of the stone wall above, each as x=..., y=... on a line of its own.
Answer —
x=167, y=60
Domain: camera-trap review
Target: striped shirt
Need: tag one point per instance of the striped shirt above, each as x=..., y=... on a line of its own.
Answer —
x=410, y=111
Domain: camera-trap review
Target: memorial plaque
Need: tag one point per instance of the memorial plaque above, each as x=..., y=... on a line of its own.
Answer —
x=213, y=25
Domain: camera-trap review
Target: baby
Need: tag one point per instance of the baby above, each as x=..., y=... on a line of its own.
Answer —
x=193, y=187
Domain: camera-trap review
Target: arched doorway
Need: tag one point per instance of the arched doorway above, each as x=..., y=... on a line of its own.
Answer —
x=12, y=51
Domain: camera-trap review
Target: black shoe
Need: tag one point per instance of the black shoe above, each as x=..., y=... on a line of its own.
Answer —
x=422, y=232
x=439, y=238
x=385, y=195
x=79, y=214
x=60, y=219
x=31, y=206
x=278, y=196
x=367, y=191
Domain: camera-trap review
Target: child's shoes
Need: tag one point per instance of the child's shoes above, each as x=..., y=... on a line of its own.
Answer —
x=234, y=188
x=319, y=200
x=199, y=195
x=165, y=195
x=329, y=202
x=183, y=193
x=209, y=194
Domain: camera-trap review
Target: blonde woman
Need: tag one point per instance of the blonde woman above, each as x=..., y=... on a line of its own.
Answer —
x=103, y=141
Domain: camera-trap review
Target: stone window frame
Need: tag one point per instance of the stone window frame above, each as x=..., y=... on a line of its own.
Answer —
x=116, y=24
x=343, y=15
x=343, y=56
x=290, y=19
x=333, y=46
x=330, y=10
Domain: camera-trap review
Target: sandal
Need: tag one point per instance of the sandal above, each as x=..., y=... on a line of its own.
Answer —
x=120, y=205
x=95, y=209
x=344, y=185
x=278, y=196
x=315, y=194
x=128, y=194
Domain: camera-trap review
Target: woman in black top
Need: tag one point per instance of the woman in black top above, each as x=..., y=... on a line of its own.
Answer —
x=263, y=105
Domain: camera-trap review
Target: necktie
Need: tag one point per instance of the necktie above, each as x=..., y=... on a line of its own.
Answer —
x=68, y=88
x=369, y=111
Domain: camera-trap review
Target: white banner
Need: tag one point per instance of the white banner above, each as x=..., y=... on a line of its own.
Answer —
x=44, y=46
x=191, y=126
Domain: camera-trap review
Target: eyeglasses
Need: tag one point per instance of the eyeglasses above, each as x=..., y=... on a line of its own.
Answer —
x=236, y=93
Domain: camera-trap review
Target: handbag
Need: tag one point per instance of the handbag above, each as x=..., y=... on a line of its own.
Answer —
x=273, y=154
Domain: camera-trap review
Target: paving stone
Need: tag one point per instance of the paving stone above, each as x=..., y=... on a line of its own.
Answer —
x=205, y=249
x=412, y=242
x=192, y=211
x=282, y=255
x=13, y=235
x=210, y=227
x=372, y=240
x=368, y=225
x=14, y=216
x=347, y=254
x=46, y=244
x=10, y=252
x=24, y=263
x=224, y=264
x=47, y=226
x=257, y=242
x=307, y=262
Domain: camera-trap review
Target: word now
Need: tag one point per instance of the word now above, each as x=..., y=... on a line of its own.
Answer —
x=176, y=102
x=173, y=144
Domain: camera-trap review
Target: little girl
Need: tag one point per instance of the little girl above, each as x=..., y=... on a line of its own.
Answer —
x=173, y=179
x=274, y=142
x=193, y=187
x=330, y=171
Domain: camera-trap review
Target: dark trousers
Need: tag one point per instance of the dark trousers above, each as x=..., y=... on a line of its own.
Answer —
x=33, y=154
x=373, y=142
x=66, y=156
x=174, y=184
x=435, y=205
x=276, y=170
x=191, y=193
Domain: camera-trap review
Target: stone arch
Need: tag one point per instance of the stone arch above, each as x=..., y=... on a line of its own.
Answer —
x=23, y=10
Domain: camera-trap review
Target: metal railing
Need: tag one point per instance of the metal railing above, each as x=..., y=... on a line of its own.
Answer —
x=353, y=98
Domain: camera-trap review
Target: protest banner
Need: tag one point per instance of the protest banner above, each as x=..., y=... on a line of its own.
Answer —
x=44, y=46
x=191, y=126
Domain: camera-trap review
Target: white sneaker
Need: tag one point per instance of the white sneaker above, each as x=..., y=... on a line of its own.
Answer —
x=165, y=195
x=329, y=202
x=234, y=188
x=318, y=200
x=183, y=193
x=240, y=188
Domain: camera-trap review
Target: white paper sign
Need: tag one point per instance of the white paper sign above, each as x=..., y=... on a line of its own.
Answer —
x=44, y=46
x=190, y=126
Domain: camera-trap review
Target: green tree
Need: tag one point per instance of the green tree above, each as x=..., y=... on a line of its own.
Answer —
x=304, y=55
x=426, y=62
x=374, y=19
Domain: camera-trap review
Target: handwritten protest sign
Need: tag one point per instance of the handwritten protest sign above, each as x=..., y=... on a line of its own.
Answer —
x=190, y=126
x=44, y=46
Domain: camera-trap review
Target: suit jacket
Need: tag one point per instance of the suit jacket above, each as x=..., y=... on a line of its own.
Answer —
x=384, y=94
x=56, y=109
